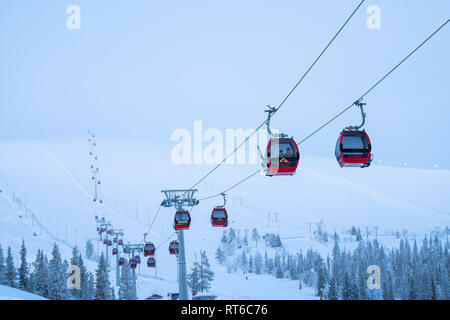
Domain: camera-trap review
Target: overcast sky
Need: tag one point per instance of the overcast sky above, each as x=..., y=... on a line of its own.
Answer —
x=141, y=69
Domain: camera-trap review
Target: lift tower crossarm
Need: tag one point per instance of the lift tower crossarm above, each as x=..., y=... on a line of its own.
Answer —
x=179, y=197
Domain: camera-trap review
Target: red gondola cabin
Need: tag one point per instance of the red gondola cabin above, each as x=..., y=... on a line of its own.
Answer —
x=182, y=220
x=138, y=259
x=149, y=249
x=151, y=262
x=353, y=149
x=133, y=263
x=121, y=261
x=219, y=217
x=282, y=161
x=115, y=251
x=174, y=247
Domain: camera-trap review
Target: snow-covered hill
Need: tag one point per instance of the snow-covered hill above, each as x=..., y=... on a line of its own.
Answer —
x=53, y=179
x=8, y=293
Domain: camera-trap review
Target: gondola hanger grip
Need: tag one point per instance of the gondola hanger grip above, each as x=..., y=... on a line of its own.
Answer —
x=361, y=105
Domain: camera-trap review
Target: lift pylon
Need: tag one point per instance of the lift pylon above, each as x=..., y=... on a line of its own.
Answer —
x=133, y=248
x=108, y=226
x=179, y=199
x=116, y=233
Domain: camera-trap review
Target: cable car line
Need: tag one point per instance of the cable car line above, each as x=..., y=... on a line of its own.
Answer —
x=375, y=85
x=285, y=99
x=168, y=238
x=357, y=102
x=320, y=55
x=232, y=187
x=153, y=221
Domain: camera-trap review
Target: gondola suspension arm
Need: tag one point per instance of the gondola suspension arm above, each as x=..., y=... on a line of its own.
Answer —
x=361, y=105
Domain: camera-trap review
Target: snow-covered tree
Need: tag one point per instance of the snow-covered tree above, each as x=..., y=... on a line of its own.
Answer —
x=23, y=268
x=65, y=276
x=224, y=238
x=349, y=290
x=193, y=279
x=278, y=270
x=388, y=291
x=321, y=276
x=57, y=285
x=126, y=286
x=205, y=272
x=31, y=283
x=3, y=280
x=40, y=274
x=201, y=276
x=333, y=293
x=250, y=264
x=113, y=293
x=91, y=287
x=86, y=293
x=244, y=262
x=220, y=256
x=89, y=250
x=11, y=273
x=258, y=263
x=75, y=261
x=83, y=293
x=102, y=283
x=358, y=235
x=255, y=237
x=231, y=235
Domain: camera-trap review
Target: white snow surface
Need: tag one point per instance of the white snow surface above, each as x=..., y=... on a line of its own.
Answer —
x=8, y=293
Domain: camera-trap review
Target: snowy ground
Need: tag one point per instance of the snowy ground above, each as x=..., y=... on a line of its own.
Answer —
x=7, y=293
x=53, y=179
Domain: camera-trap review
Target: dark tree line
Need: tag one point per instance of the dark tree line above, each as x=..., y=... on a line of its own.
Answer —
x=406, y=272
x=49, y=277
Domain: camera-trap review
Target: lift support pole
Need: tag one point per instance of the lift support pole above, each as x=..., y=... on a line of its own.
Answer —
x=116, y=233
x=139, y=248
x=178, y=199
x=106, y=224
x=182, y=281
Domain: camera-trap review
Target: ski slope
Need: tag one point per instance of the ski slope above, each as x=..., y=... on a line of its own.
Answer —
x=53, y=179
x=8, y=293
